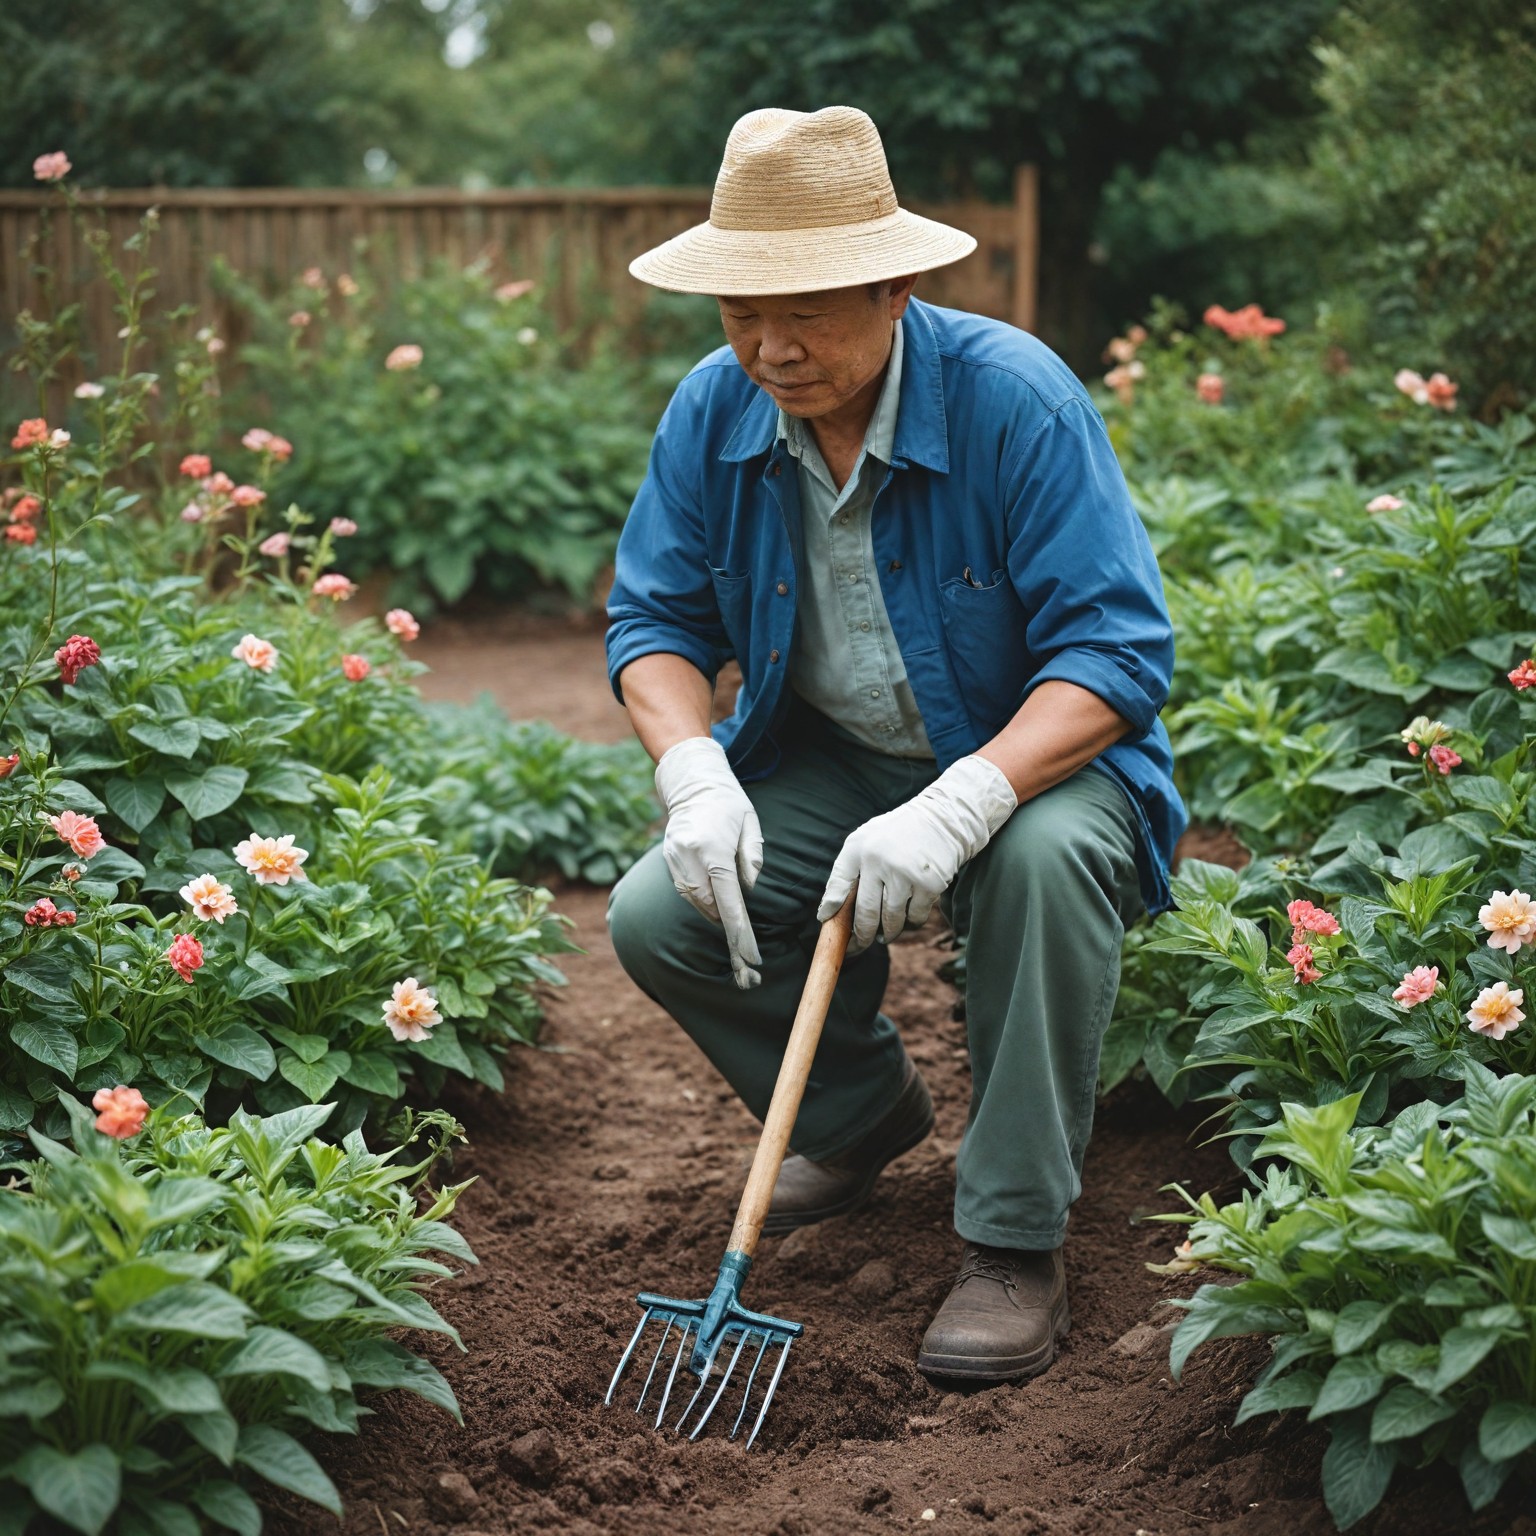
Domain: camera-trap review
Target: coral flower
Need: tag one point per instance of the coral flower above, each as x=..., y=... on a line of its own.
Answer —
x=401, y=622
x=299, y=319
x=411, y=1011
x=1249, y=323
x=1496, y=1011
x=1524, y=676
x=334, y=586
x=257, y=439
x=343, y=527
x=120, y=1111
x=30, y=433
x=407, y=355
x=258, y=654
x=218, y=484
x=43, y=914
x=196, y=466
x=1211, y=387
x=21, y=533
x=1444, y=758
x=1305, y=918
x=1386, y=502
x=272, y=860
x=1418, y=985
x=275, y=544
x=314, y=278
x=355, y=667
x=26, y=509
x=71, y=872
x=8, y=765
x=1510, y=918
x=209, y=898
x=80, y=832
x=509, y=291
x=185, y=955
x=247, y=496
x=1300, y=958
x=54, y=167
x=1441, y=392
x=75, y=655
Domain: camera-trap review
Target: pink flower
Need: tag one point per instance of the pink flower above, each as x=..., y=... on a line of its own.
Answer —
x=58, y=438
x=247, y=496
x=80, y=832
x=1441, y=392
x=256, y=439
x=1211, y=387
x=1418, y=985
x=1305, y=918
x=260, y=655
x=54, y=167
x=280, y=449
x=1386, y=502
x=1122, y=379
x=313, y=278
x=334, y=586
x=1524, y=676
x=21, y=533
x=193, y=512
x=218, y=484
x=342, y=527
x=30, y=433
x=407, y=355
x=401, y=622
x=120, y=1111
x=1249, y=323
x=275, y=544
x=1411, y=384
x=1496, y=1011
x=1444, y=758
x=411, y=1011
x=1510, y=918
x=299, y=319
x=272, y=860
x=209, y=898
x=26, y=509
x=1300, y=957
x=509, y=291
x=89, y=391
x=355, y=667
x=185, y=955
x=75, y=655
x=43, y=914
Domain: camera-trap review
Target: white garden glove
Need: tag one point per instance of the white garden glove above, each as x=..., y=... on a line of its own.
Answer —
x=713, y=844
x=904, y=860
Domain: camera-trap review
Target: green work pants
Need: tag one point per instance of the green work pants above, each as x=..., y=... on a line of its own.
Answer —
x=1043, y=907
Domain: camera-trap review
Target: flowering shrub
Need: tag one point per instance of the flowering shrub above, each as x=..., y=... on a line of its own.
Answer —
x=178, y=1301
x=1395, y=1268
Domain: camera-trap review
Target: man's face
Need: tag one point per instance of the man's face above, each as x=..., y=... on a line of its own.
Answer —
x=813, y=352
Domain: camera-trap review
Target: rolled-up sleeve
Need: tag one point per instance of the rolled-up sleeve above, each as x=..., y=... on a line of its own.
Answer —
x=663, y=597
x=1084, y=569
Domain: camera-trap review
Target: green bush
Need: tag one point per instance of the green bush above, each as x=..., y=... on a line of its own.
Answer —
x=174, y=1310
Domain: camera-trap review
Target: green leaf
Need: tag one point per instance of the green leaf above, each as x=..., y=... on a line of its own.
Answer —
x=206, y=794
x=204, y=1311
x=46, y=1040
x=176, y=738
x=1480, y=1477
x=240, y=1047
x=314, y=1080
x=180, y=1199
x=275, y=1352
x=1511, y=1234
x=174, y=1388
x=1352, y=1382
x=16, y=1109
x=1405, y=1412
x=44, y=975
x=442, y=1048
x=384, y=1364
x=1356, y=1472
x=374, y=1074
x=81, y=1490
x=1506, y=1430
x=1358, y=1323
x=125, y=1285
x=1297, y=1390
x=1219, y=1312
x=31, y=1400
x=1462, y=1350
x=229, y=1505
x=280, y=1459
x=74, y=796
x=136, y=801
x=217, y=1433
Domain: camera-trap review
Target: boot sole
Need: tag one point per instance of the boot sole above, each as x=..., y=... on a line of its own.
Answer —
x=998, y=1368
x=785, y=1222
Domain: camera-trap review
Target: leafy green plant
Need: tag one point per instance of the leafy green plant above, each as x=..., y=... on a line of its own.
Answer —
x=174, y=1309
x=1395, y=1269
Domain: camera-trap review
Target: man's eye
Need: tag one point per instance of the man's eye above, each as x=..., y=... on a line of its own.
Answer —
x=807, y=317
x=741, y=319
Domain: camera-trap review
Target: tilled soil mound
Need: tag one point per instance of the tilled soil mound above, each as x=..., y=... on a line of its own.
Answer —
x=614, y=1162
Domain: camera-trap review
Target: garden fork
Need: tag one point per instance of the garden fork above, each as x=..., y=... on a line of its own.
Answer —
x=710, y=1323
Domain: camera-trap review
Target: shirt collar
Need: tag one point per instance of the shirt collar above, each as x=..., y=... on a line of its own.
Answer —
x=880, y=434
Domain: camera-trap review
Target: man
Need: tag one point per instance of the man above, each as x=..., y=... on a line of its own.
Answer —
x=908, y=527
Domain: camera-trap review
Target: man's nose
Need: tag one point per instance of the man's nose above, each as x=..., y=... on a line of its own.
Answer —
x=778, y=348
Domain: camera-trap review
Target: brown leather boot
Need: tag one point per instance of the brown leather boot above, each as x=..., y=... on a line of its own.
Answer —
x=808, y=1192
x=1001, y=1319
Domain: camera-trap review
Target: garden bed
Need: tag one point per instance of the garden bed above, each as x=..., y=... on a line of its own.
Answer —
x=615, y=1161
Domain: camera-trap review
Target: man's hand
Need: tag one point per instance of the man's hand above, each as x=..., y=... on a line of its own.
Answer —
x=904, y=860
x=713, y=844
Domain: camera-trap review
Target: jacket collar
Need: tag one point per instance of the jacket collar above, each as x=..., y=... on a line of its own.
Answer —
x=922, y=424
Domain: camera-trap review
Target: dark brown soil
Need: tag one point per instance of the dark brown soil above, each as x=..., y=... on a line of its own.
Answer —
x=614, y=1161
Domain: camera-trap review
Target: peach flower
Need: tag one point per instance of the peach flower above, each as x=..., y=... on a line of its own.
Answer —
x=80, y=832
x=355, y=667
x=54, y=167
x=401, y=622
x=185, y=956
x=314, y=278
x=407, y=355
x=1497, y=1011
x=1211, y=387
x=209, y=898
x=247, y=496
x=334, y=586
x=1441, y=392
x=411, y=1011
x=1510, y=918
x=342, y=527
x=346, y=285
x=1524, y=676
x=258, y=654
x=1418, y=985
x=272, y=860
x=1386, y=502
x=299, y=319
x=275, y=544
x=120, y=1111
x=509, y=291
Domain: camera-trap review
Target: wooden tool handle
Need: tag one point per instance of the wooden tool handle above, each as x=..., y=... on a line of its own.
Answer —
x=804, y=1037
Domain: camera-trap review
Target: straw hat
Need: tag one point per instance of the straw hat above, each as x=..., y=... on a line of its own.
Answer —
x=803, y=202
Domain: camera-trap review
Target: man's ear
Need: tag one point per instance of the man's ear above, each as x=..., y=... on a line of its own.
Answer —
x=901, y=292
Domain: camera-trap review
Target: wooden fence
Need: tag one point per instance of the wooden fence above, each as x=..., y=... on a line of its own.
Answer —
x=574, y=241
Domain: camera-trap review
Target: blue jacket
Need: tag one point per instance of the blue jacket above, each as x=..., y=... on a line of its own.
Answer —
x=1001, y=464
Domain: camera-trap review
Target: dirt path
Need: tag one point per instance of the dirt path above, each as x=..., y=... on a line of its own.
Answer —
x=614, y=1161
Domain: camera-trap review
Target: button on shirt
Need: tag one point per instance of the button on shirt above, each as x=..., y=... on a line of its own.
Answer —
x=847, y=663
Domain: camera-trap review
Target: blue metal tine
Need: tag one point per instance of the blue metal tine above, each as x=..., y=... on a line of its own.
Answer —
x=666, y=1333
x=677, y=1360
x=612, y=1385
x=745, y=1396
x=762, y=1412
x=719, y=1391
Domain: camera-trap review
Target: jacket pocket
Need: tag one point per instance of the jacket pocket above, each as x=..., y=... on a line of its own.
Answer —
x=733, y=597
x=984, y=631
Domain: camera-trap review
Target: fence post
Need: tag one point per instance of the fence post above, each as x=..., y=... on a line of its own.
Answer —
x=1026, y=245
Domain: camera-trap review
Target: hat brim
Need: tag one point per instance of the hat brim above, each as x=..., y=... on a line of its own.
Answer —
x=745, y=262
